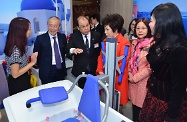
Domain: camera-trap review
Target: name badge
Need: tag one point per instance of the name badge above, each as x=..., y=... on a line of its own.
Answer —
x=96, y=45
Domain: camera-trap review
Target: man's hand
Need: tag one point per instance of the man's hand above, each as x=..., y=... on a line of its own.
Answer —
x=77, y=51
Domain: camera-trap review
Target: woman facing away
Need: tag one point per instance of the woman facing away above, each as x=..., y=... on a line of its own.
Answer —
x=139, y=70
x=166, y=99
x=15, y=55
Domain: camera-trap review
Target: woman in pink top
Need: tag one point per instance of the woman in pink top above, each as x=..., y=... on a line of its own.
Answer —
x=139, y=70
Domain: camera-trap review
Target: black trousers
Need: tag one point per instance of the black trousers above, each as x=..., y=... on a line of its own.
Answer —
x=55, y=75
x=136, y=112
x=82, y=81
x=16, y=85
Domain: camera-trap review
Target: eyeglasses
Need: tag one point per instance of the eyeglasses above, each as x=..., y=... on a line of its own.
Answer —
x=53, y=26
x=143, y=28
x=83, y=27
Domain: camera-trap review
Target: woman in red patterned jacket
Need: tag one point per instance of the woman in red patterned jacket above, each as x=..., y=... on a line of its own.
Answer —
x=113, y=24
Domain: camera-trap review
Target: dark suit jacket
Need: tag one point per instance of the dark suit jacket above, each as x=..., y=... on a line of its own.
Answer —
x=42, y=45
x=82, y=60
x=99, y=28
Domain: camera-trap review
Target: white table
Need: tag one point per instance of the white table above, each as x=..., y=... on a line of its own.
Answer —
x=17, y=111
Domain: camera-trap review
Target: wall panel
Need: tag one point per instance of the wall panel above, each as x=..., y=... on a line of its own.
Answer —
x=122, y=7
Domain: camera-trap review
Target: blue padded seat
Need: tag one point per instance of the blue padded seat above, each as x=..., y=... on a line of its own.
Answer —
x=89, y=104
x=49, y=96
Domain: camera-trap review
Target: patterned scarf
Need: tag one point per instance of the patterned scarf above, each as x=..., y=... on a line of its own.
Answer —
x=134, y=59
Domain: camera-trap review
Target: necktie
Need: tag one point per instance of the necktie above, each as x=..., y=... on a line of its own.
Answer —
x=87, y=49
x=57, y=55
x=87, y=44
x=94, y=28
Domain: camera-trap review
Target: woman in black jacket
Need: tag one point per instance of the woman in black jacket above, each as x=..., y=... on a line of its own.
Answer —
x=166, y=96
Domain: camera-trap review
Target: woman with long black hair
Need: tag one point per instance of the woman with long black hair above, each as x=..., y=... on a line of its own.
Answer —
x=166, y=97
x=15, y=55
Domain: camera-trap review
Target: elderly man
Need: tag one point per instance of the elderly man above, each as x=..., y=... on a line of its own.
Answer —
x=85, y=46
x=51, y=52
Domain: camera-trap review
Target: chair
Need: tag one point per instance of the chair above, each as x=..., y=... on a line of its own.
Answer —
x=89, y=104
x=49, y=96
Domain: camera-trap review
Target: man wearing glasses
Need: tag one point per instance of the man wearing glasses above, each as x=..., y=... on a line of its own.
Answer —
x=51, y=52
x=85, y=46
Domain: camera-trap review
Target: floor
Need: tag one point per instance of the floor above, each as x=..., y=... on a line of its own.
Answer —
x=4, y=116
x=127, y=111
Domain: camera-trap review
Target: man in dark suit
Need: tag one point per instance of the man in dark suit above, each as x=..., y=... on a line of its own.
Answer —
x=85, y=46
x=51, y=53
x=95, y=25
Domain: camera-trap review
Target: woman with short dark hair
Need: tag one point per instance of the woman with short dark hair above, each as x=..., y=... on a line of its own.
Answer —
x=113, y=25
